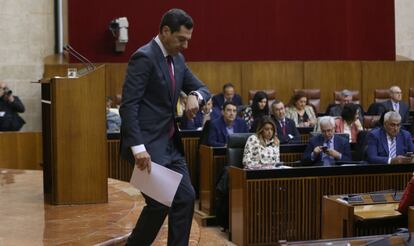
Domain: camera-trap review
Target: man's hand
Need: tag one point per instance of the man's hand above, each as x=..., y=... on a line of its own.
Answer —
x=191, y=108
x=335, y=154
x=143, y=161
x=317, y=150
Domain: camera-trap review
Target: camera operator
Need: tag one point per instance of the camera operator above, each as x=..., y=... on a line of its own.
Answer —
x=10, y=106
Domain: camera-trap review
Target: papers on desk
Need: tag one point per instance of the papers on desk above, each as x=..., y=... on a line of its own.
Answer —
x=161, y=184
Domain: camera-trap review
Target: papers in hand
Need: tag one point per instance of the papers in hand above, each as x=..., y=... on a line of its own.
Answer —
x=161, y=184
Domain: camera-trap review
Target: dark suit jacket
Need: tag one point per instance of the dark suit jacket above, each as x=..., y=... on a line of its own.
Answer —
x=290, y=129
x=340, y=144
x=404, y=110
x=11, y=120
x=217, y=136
x=218, y=100
x=378, y=152
x=148, y=104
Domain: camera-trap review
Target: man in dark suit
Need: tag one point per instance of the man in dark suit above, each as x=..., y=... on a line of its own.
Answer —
x=10, y=106
x=227, y=124
x=285, y=127
x=395, y=103
x=327, y=148
x=228, y=94
x=389, y=144
x=156, y=74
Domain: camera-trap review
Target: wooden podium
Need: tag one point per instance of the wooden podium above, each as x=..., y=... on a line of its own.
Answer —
x=365, y=217
x=74, y=139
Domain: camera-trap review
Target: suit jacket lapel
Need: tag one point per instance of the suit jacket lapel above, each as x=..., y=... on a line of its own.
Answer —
x=163, y=65
x=399, y=143
x=384, y=141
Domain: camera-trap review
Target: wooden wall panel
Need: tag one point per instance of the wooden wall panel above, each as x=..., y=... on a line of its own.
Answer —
x=283, y=77
x=115, y=76
x=383, y=74
x=330, y=76
x=216, y=74
x=21, y=150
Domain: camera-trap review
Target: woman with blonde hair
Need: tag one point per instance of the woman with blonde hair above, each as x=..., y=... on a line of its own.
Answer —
x=262, y=148
x=300, y=111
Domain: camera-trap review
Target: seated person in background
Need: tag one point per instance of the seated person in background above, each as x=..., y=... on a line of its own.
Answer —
x=395, y=103
x=258, y=109
x=349, y=123
x=300, y=111
x=207, y=112
x=327, y=148
x=225, y=125
x=228, y=94
x=182, y=101
x=10, y=106
x=346, y=97
x=286, y=128
x=389, y=144
x=113, y=120
x=262, y=149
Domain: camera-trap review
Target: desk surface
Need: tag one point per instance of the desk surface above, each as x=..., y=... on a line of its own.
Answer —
x=376, y=211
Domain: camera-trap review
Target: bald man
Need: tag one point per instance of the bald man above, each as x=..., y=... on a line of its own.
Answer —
x=395, y=103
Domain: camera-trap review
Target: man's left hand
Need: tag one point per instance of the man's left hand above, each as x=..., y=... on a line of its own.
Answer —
x=191, y=108
x=335, y=154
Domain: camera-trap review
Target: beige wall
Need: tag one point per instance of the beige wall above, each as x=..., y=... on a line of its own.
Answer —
x=404, y=29
x=26, y=37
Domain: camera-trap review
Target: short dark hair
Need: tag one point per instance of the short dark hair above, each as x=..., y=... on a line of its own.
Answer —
x=227, y=85
x=349, y=111
x=228, y=103
x=175, y=18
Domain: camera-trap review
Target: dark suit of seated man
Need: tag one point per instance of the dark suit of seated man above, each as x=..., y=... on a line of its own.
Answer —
x=285, y=127
x=395, y=103
x=327, y=148
x=228, y=94
x=227, y=124
x=389, y=144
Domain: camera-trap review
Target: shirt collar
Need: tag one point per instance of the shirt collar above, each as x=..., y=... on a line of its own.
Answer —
x=158, y=41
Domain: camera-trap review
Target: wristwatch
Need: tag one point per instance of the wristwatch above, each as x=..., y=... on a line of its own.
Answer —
x=200, y=101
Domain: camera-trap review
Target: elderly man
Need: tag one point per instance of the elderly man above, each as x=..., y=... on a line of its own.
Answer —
x=286, y=128
x=228, y=94
x=327, y=148
x=346, y=97
x=395, y=103
x=390, y=144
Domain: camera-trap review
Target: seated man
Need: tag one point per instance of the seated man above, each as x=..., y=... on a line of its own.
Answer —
x=225, y=125
x=113, y=120
x=207, y=112
x=327, y=148
x=10, y=106
x=346, y=98
x=395, y=103
x=285, y=127
x=228, y=94
x=390, y=143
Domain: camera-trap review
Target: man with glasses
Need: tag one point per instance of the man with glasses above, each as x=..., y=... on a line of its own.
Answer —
x=390, y=144
x=326, y=148
x=395, y=103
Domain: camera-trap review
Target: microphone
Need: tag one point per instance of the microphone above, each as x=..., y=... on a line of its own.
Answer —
x=89, y=66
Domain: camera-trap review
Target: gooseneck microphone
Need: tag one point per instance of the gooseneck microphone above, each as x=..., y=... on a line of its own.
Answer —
x=89, y=66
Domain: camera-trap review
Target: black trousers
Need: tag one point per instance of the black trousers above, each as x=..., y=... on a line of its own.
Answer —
x=180, y=213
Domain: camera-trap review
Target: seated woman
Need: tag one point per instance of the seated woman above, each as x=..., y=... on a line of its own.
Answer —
x=258, y=109
x=262, y=149
x=300, y=111
x=349, y=123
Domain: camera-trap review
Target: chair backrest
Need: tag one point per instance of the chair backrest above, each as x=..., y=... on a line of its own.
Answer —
x=271, y=96
x=355, y=97
x=235, y=148
x=370, y=121
x=313, y=96
x=381, y=95
x=376, y=109
x=342, y=135
x=411, y=98
x=204, y=133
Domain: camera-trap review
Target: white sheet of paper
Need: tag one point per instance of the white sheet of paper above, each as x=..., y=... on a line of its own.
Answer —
x=161, y=184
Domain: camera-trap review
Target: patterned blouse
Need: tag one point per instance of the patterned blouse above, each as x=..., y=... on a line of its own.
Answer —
x=258, y=156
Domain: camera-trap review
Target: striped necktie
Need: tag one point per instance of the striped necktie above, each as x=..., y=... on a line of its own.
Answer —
x=393, y=148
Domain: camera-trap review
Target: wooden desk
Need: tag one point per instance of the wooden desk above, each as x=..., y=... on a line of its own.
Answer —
x=286, y=204
x=343, y=219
